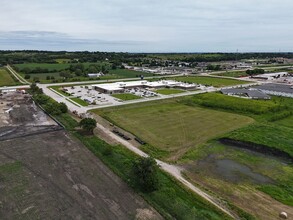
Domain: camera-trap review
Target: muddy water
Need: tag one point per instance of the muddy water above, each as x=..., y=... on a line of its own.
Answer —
x=228, y=170
x=236, y=172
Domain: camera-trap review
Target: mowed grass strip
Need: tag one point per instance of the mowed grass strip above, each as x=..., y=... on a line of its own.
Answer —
x=169, y=91
x=5, y=78
x=125, y=96
x=210, y=81
x=172, y=126
x=80, y=101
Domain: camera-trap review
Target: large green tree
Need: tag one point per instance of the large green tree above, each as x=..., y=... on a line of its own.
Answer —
x=88, y=124
x=145, y=170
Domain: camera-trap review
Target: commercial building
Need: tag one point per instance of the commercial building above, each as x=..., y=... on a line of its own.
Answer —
x=119, y=87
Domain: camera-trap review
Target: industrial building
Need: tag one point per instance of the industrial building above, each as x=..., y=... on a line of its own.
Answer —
x=270, y=76
x=249, y=93
x=277, y=89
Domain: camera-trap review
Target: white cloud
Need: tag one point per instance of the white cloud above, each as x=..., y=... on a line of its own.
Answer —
x=174, y=25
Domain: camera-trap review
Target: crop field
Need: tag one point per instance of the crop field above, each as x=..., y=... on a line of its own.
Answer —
x=172, y=127
x=210, y=81
x=5, y=78
x=169, y=91
x=49, y=66
x=124, y=73
x=126, y=96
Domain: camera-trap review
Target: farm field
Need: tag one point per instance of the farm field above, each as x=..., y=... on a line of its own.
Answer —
x=173, y=128
x=55, y=68
x=210, y=81
x=6, y=79
x=125, y=96
x=124, y=73
x=169, y=91
x=49, y=66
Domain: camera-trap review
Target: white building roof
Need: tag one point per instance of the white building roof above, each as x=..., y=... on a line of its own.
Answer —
x=121, y=85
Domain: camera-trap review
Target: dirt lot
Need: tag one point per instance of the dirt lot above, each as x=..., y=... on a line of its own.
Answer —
x=19, y=116
x=51, y=176
x=45, y=174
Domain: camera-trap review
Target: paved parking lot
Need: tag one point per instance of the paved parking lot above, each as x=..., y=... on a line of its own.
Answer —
x=142, y=92
x=91, y=96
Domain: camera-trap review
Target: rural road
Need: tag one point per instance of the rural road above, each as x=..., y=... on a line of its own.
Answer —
x=16, y=75
x=170, y=169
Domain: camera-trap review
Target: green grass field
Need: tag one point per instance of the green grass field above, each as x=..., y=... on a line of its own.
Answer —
x=169, y=91
x=233, y=74
x=126, y=96
x=267, y=134
x=210, y=81
x=173, y=127
x=80, y=101
x=233, y=104
x=50, y=66
x=124, y=73
x=6, y=79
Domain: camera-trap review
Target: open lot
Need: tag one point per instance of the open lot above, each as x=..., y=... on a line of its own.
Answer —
x=172, y=127
x=47, y=174
x=51, y=176
x=6, y=79
x=210, y=81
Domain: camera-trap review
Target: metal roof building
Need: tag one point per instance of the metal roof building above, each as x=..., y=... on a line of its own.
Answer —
x=250, y=93
x=277, y=89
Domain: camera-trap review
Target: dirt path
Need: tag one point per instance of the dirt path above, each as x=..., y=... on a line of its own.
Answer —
x=173, y=170
x=16, y=75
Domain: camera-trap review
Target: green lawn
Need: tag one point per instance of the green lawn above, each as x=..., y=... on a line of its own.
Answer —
x=6, y=79
x=59, y=90
x=80, y=101
x=124, y=73
x=126, y=96
x=210, y=81
x=169, y=91
x=233, y=74
x=173, y=127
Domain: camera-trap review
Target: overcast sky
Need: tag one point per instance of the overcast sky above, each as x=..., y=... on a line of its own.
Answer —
x=148, y=25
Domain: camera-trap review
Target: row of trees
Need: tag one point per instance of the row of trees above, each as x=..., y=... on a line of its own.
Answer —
x=50, y=105
x=255, y=72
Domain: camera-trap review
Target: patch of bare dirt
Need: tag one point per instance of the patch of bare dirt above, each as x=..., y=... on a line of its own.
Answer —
x=52, y=176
